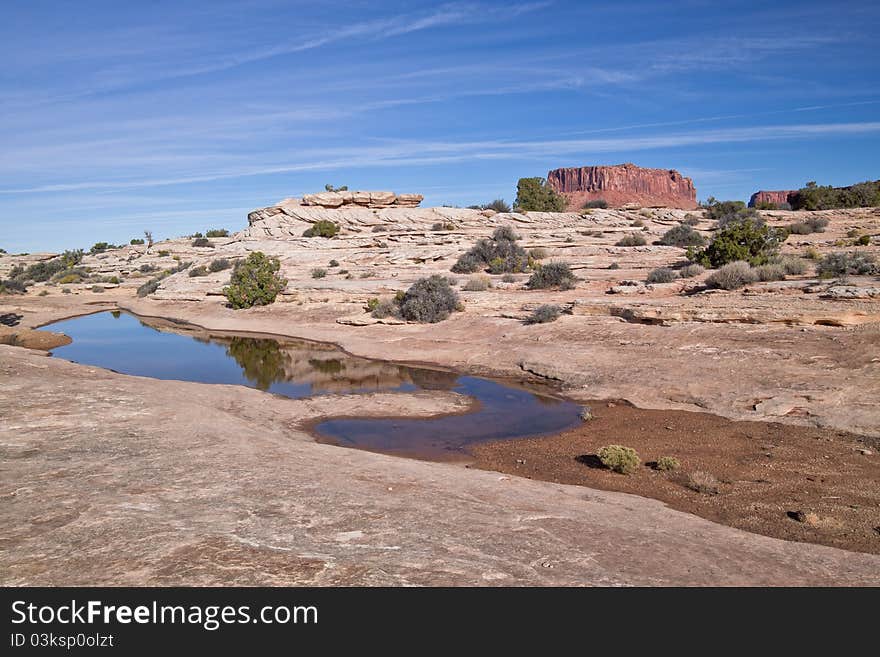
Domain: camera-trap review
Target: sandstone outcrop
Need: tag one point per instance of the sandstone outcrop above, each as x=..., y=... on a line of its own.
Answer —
x=774, y=197
x=624, y=185
x=360, y=199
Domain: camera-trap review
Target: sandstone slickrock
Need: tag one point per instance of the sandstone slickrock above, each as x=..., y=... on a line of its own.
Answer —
x=624, y=185
x=366, y=199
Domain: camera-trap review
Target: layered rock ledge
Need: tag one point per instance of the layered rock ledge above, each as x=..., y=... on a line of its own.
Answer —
x=624, y=185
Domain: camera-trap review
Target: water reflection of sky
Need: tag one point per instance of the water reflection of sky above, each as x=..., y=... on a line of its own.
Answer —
x=122, y=343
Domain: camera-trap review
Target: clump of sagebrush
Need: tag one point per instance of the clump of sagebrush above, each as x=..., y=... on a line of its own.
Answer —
x=544, y=313
x=823, y=197
x=12, y=286
x=632, y=239
x=508, y=278
x=216, y=232
x=599, y=203
x=740, y=239
x=683, y=236
x=791, y=265
x=429, y=300
x=384, y=308
x=195, y=272
x=771, y=272
x=333, y=263
x=702, y=482
x=97, y=288
x=477, y=284
x=732, y=276
x=147, y=268
x=856, y=263
x=319, y=272
x=809, y=225
x=220, y=264
x=500, y=254
x=322, y=228
x=498, y=205
x=691, y=270
x=618, y=458
x=662, y=275
x=538, y=253
x=725, y=211
x=39, y=272
x=441, y=226
x=862, y=240
x=552, y=275
x=255, y=281
x=535, y=195
x=667, y=463
x=149, y=287
x=203, y=242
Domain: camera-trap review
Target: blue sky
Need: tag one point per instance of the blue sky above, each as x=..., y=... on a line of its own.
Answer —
x=117, y=117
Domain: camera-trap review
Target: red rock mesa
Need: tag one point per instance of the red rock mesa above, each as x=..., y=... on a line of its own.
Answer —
x=624, y=185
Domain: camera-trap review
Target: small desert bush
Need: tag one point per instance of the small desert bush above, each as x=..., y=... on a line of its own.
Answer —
x=863, y=240
x=668, y=463
x=843, y=264
x=599, y=203
x=333, y=263
x=429, y=300
x=683, y=236
x=741, y=239
x=631, y=240
x=812, y=253
x=499, y=205
x=477, y=284
x=702, y=482
x=137, y=241
x=322, y=228
x=691, y=220
x=500, y=254
x=255, y=281
x=614, y=265
x=98, y=289
x=624, y=460
x=195, y=272
x=809, y=225
x=792, y=265
x=507, y=278
x=319, y=272
x=149, y=287
x=552, y=275
x=732, y=276
x=691, y=270
x=662, y=275
x=217, y=232
x=544, y=314
x=147, y=269
x=163, y=253
x=538, y=253
x=442, y=226
x=376, y=229
x=12, y=286
x=384, y=308
x=220, y=264
x=767, y=273
x=203, y=242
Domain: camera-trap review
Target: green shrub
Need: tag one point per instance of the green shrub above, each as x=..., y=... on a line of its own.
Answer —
x=742, y=239
x=372, y=304
x=538, y=253
x=662, y=275
x=718, y=210
x=732, y=276
x=164, y=253
x=614, y=265
x=857, y=263
x=552, y=275
x=599, y=203
x=791, y=265
x=535, y=195
x=217, y=232
x=544, y=314
x=429, y=300
x=333, y=263
x=12, y=286
x=147, y=268
x=40, y=272
x=668, y=463
x=500, y=254
x=322, y=228
x=631, y=240
x=767, y=273
x=255, y=281
x=203, y=242
x=477, y=284
x=195, y=272
x=220, y=264
x=67, y=279
x=385, y=308
x=149, y=287
x=691, y=270
x=100, y=247
x=196, y=235
x=65, y=290
x=816, y=197
x=683, y=236
x=498, y=205
x=330, y=188
x=863, y=240
x=137, y=241
x=319, y=272
x=97, y=289
x=624, y=460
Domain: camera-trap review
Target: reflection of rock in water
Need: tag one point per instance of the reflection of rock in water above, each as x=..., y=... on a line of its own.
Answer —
x=262, y=361
x=331, y=366
x=433, y=379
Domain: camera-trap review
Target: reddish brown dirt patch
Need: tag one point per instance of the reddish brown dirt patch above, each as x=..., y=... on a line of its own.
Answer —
x=765, y=471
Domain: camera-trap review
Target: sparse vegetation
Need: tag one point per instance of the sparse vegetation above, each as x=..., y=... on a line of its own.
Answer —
x=203, y=242
x=538, y=253
x=662, y=275
x=741, y=239
x=97, y=289
x=255, y=281
x=544, y=314
x=381, y=229
x=500, y=254
x=821, y=197
x=770, y=272
x=809, y=225
x=732, y=276
x=216, y=232
x=535, y=195
x=322, y=228
x=12, y=286
x=856, y=263
x=691, y=270
x=624, y=460
x=683, y=236
x=477, y=284
x=319, y=272
x=638, y=223
x=195, y=272
x=599, y=203
x=40, y=272
x=691, y=219
x=147, y=268
x=137, y=241
x=163, y=253
x=437, y=226
x=333, y=263
x=330, y=188
x=614, y=265
x=632, y=239
x=149, y=287
x=220, y=264
x=862, y=240
x=702, y=482
x=498, y=205
x=791, y=265
x=667, y=463
x=385, y=308
x=552, y=275
x=429, y=300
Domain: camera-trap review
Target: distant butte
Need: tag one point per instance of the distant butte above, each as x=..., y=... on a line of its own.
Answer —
x=624, y=185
